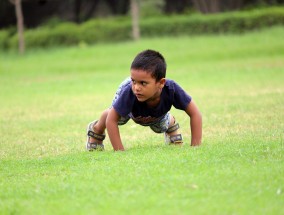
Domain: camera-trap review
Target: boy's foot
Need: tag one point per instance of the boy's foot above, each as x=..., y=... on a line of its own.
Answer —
x=94, y=140
x=173, y=139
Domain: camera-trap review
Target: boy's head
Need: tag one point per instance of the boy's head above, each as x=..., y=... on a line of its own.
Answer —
x=152, y=62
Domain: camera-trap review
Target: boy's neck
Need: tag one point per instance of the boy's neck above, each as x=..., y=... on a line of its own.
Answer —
x=153, y=102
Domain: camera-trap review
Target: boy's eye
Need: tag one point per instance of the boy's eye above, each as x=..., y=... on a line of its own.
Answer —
x=143, y=83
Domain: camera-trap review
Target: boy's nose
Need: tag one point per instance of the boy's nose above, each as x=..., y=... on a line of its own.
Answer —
x=137, y=88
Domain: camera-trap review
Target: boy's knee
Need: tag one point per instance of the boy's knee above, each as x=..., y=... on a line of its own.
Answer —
x=172, y=120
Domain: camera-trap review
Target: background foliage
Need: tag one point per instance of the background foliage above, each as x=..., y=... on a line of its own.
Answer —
x=119, y=28
x=38, y=11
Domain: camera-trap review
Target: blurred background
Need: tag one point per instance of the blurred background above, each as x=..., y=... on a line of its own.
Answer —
x=80, y=22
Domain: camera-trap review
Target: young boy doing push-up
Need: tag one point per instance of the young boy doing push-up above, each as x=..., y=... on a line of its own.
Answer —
x=146, y=97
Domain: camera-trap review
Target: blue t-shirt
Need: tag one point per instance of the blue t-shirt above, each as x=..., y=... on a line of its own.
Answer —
x=172, y=94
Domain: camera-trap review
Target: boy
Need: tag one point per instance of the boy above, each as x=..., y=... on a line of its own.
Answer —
x=146, y=97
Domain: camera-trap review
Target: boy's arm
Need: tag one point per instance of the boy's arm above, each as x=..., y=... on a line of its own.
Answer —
x=195, y=123
x=113, y=131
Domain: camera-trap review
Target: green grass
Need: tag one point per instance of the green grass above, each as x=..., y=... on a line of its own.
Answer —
x=49, y=96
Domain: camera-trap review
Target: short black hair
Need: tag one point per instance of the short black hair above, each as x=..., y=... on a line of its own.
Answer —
x=151, y=61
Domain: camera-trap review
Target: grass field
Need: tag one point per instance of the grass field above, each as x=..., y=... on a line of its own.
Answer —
x=49, y=96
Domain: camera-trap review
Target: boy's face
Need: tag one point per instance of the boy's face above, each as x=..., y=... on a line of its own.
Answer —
x=145, y=87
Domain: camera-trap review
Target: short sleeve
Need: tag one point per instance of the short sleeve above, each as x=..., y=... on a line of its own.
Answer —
x=181, y=98
x=123, y=105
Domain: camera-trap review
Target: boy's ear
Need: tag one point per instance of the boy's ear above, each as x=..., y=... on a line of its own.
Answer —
x=162, y=82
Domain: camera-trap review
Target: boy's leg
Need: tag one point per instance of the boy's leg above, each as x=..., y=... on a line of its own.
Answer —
x=96, y=133
x=96, y=129
x=100, y=126
x=169, y=127
x=172, y=135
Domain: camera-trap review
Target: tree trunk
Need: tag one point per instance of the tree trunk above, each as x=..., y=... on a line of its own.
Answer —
x=135, y=19
x=20, y=25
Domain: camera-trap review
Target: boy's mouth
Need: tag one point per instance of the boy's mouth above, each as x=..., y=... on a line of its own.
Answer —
x=139, y=95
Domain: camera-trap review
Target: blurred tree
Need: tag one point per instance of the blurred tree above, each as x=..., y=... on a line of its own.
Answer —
x=119, y=6
x=252, y=3
x=77, y=9
x=178, y=6
x=20, y=24
x=135, y=19
x=7, y=13
x=37, y=12
x=215, y=6
x=84, y=9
